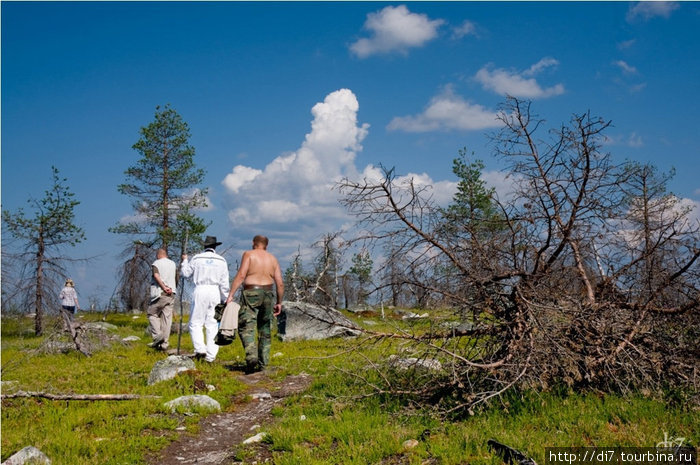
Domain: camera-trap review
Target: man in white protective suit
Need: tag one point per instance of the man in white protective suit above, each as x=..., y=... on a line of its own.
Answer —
x=209, y=272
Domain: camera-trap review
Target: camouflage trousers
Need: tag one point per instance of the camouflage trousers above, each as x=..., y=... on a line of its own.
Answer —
x=256, y=313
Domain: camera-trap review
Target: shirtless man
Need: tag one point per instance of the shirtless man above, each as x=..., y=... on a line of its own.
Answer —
x=258, y=271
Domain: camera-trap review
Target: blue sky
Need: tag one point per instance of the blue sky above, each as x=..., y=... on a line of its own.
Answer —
x=292, y=96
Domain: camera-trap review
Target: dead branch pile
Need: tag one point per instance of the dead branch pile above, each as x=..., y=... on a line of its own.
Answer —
x=586, y=275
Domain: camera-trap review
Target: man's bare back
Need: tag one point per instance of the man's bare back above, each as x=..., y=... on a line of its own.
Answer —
x=259, y=268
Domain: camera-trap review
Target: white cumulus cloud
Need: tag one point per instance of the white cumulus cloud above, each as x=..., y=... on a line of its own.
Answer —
x=635, y=140
x=683, y=212
x=624, y=45
x=395, y=29
x=648, y=10
x=629, y=140
x=518, y=84
x=441, y=192
x=467, y=28
x=296, y=187
x=447, y=111
x=544, y=63
x=293, y=199
x=625, y=67
x=694, y=207
x=240, y=176
x=502, y=182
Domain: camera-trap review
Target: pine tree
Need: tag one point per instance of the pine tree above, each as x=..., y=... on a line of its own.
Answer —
x=164, y=183
x=164, y=187
x=472, y=205
x=44, y=235
x=362, y=270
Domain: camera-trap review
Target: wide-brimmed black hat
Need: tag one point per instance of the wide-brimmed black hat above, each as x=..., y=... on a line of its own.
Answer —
x=210, y=241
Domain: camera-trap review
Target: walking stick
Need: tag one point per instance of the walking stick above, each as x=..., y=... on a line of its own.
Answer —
x=182, y=289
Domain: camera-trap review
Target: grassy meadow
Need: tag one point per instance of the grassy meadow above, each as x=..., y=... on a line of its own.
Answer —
x=331, y=423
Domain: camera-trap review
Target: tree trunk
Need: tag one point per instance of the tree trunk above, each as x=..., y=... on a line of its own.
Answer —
x=38, y=300
x=345, y=291
x=165, y=225
x=75, y=335
x=590, y=294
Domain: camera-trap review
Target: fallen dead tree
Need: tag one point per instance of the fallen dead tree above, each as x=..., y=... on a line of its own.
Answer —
x=587, y=275
x=50, y=396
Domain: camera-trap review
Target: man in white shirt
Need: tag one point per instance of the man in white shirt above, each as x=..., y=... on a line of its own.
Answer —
x=163, y=290
x=209, y=272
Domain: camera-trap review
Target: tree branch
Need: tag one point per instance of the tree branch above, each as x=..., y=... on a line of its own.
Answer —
x=48, y=395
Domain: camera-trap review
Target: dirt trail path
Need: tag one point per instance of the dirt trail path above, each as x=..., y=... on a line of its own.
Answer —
x=219, y=433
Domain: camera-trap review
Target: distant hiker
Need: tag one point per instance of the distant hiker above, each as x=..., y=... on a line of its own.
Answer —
x=258, y=271
x=69, y=298
x=160, y=309
x=209, y=272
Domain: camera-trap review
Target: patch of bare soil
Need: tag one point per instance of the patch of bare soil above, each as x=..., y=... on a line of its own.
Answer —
x=219, y=434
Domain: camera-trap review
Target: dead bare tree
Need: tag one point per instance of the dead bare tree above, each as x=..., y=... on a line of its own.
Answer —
x=325, y=288
x=134, y=275
x=293, y=279
x=321, y=284
x=584, y=276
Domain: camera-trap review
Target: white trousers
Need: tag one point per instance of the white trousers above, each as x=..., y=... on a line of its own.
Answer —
x=205, y=297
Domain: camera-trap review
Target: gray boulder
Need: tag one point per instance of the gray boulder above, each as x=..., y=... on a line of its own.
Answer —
x=28, y=455
x=175, y=327
x=101, y=325
x=304, y=321
x=57, y=347
x=360, y=308
x=169, y=368
x=413, y=363
x=193, y=404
